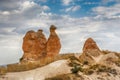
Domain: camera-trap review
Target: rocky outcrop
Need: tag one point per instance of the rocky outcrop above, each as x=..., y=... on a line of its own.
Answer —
x=34, y=44
x=109, y=59
x=41, y=43
x=91, y=48
x=90, y=51
x=53, y=44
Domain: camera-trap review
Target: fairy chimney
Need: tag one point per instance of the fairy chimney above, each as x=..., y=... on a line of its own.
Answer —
x=34, y=44
x=53, y=44
x=91, y=48
x=90, y=51
x=41, y=43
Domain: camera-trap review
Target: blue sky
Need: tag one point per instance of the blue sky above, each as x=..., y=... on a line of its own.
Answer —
x=76, y=20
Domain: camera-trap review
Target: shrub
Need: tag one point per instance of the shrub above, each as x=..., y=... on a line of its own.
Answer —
x=85, y=63
x=113, y=71
x=90, y=72
x=76, y=69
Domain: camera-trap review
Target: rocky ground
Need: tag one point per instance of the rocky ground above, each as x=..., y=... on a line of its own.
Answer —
x=73, y=69
x=53, y=69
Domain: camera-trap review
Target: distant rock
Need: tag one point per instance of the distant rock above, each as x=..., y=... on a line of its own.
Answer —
x=53, y=44
x=34, y=44
x=91, y=48
x=90, y=51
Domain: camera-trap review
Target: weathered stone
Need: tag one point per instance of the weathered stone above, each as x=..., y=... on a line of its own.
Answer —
x=53, y=44
x=34, y=44
x=90, y=51
x=91, y=48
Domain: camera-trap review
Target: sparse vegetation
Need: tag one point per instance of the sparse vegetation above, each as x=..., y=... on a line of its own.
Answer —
x=24, y=66
x=66, y=77
x=99, y=68
x=117, y=62
x=75, y=69
x=3, y=70
x=85, y=63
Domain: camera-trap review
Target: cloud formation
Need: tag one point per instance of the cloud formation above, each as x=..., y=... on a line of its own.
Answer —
x=66, y=2
x=108, y=12
x=72, y=8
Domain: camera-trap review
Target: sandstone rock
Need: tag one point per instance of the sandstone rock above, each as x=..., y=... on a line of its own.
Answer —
x=109, y=59
x=41, y=43
x=90, y=51
x=34, y=44
x=53, y=44
x=91, y=48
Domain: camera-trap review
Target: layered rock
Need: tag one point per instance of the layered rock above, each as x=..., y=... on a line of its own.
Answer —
x=53, y=44
x=34, y=44
x=90, y=51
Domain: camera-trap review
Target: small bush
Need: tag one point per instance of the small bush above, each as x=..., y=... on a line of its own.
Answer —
x=90, y=72
x=76, y=69
x=85, y=63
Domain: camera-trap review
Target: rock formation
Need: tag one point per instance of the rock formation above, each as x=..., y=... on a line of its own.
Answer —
x=90, y=51
x=91, y=48
x=53, y=43
x=34, y=44
x=41, y=43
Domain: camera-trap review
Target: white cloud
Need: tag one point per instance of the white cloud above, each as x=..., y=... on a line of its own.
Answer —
x=75, y=8
x=72, y=8
x=27, y=4
x=90, y=3
x=107, y=1
x=45, y=8
x=4, y=12
x=108, y=12
x=66, y=2
x=41, y=1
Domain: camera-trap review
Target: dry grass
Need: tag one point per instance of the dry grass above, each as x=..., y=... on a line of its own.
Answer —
x=66, y=77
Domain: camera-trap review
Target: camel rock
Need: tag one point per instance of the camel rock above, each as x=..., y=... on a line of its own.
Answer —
x=34, y=44
x=53, y=44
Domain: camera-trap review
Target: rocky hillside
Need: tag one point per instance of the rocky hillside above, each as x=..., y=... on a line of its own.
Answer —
x=71, y=68
x=41, y=61
x=36, y=46
x=91, y=64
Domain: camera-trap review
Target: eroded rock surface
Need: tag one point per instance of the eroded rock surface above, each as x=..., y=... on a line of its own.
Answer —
x=91, y=52
x=53, y=44
x=34, y=44
x=91, y=48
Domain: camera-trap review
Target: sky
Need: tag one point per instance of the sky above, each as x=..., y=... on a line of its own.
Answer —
x=76, y=20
